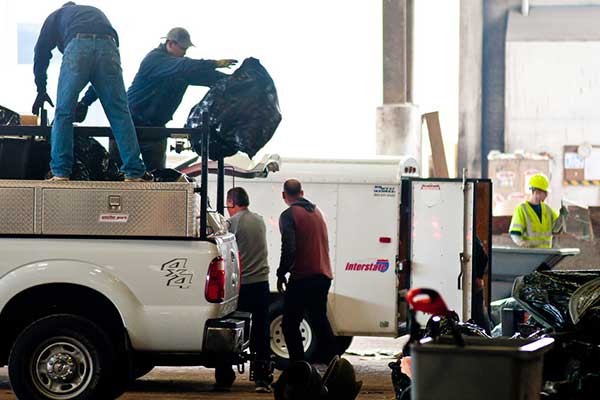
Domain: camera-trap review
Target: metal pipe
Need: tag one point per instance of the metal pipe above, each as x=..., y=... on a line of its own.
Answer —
x=465, y=278
x=204, y=178
x=148, y=132
x=409, y=50
x=221, y=185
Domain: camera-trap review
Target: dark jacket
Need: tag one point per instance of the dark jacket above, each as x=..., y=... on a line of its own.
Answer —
x=59, y=28
x=480, y=259
x=160, y=83
x=304, y=242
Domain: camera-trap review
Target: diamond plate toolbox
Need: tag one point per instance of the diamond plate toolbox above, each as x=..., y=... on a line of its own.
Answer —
x=156, y=209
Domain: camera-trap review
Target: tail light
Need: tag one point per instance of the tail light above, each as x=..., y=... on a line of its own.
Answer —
x=214, y=291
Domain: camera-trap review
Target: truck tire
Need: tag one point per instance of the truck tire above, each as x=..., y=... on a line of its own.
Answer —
x=277, y=342
x=64, y=357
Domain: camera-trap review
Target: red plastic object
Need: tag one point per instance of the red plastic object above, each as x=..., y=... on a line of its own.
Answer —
x=428, y=301
x=214, y=291
x=385, y=239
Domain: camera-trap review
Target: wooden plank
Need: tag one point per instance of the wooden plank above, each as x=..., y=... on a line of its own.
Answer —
x=595, y=221
x=440, y=166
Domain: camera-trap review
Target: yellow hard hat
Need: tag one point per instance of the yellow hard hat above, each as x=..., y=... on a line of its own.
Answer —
x=539, y=181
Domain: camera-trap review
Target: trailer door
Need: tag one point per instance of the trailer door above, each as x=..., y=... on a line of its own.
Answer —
x=439, y=232
x=367, y=243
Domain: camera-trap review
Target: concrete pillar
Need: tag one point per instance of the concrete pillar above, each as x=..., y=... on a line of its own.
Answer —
x=495, y=17
x=398, y=120
x=399, y=130
x=470, y=87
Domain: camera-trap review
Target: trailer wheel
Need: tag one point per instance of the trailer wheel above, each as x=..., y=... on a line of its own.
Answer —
x=62, y=357
x=277, y=342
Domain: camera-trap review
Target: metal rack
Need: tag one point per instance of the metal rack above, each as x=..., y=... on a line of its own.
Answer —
x=150, y=133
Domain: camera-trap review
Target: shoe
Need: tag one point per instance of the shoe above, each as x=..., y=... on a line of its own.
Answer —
x=262, y=387
x=147, y=177
x=58, y=179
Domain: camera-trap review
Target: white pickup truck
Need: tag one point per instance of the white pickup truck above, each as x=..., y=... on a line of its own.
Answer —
x=100, y=281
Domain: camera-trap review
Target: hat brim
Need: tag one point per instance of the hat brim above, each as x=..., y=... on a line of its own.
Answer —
x=184, y=45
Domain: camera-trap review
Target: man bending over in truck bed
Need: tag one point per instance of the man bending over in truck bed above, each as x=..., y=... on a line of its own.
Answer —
x=158, y=88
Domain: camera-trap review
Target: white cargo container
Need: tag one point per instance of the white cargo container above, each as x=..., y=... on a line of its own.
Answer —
x=388, y=230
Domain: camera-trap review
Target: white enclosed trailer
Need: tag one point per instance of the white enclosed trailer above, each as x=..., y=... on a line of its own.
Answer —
x=388, y=230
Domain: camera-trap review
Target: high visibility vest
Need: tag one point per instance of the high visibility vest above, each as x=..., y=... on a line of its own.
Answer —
x=526, y=221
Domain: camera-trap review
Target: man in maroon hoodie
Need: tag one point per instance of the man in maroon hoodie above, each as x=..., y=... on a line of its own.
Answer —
x=305, y=256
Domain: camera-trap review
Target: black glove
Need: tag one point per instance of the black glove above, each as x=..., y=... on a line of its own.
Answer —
x=281, y=284
x=81, y=110
x=41, y=98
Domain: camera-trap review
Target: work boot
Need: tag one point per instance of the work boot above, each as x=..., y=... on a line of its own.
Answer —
x=261, y=372
x=147, y=177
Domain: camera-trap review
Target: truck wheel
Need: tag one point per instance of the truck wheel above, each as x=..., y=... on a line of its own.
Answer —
x=277, y=342
x=62, y=357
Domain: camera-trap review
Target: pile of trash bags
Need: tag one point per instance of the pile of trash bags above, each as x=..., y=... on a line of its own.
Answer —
x=301, y=381
x=91, y=161
x=563, y=305
x=243, y=112
x=9, y=117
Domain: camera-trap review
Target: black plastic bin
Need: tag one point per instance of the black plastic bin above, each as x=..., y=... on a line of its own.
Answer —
x=484, y=369
x=14, y=157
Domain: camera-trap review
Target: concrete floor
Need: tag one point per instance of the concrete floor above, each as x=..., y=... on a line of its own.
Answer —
x=370, y=359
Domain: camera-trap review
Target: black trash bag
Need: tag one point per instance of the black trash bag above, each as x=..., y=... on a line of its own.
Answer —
x=300, y=381
x=546, y=295
x=441, y=326
x=170, y=175
x=340, y=380
x=92, y=162
x=243, y=112
x=9, y=117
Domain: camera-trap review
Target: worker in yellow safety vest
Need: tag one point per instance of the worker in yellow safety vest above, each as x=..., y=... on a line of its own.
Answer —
x=534, y=222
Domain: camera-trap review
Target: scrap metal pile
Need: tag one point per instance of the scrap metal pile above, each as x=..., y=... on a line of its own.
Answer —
x=563, y=305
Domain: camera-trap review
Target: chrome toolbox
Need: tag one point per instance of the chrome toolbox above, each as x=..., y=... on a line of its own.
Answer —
x=158, y=209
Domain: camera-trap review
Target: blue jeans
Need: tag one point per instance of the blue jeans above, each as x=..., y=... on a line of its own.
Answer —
x=94, y=60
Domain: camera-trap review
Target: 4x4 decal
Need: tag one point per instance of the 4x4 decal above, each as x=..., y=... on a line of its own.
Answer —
x=177, y=273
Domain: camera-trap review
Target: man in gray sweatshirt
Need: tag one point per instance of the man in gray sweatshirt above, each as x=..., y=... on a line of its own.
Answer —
x=251, y=236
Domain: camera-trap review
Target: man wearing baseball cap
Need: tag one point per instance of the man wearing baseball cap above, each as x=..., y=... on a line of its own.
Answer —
x=158, y=88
